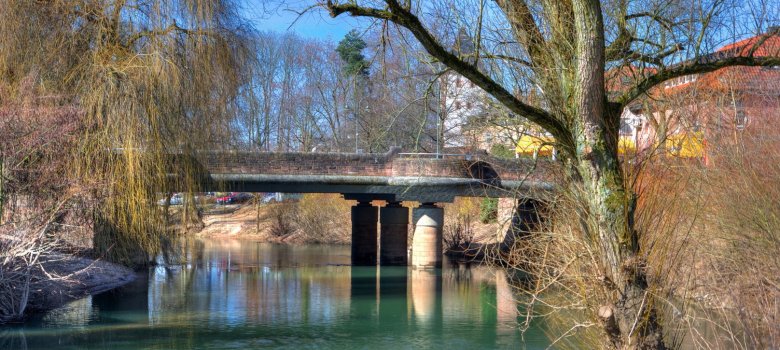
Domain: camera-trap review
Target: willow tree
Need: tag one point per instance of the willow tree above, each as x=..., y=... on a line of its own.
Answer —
x=561, y=50
x=152, y=77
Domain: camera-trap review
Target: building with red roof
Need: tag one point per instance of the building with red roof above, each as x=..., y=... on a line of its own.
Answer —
x=736, y=104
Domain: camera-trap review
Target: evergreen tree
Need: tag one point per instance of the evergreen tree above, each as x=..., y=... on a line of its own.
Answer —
x=350, y=50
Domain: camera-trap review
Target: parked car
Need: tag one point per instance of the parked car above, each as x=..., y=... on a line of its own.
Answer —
x=269, y=197
x=176, y=199
x=281, y=197
x=234, y=198
x=225, y=199
x=241, y=197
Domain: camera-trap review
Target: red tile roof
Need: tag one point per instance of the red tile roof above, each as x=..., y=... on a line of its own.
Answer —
x=770, y=46
x=755, y=80
x=745, y=79
x=740, y=78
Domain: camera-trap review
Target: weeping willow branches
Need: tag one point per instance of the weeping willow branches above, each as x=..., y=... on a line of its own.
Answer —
x=152, y=77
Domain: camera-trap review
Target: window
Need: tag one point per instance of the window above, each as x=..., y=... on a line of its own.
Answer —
x=740, y=120
x=625, y=127
x=681, y=80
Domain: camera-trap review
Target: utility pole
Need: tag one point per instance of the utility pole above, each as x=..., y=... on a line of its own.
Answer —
x=357, y=110
x=439, y=117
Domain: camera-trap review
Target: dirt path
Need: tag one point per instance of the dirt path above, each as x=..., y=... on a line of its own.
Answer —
x=233, y=221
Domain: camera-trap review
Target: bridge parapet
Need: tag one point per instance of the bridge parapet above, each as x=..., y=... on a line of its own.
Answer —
x=297, y=163
x=483, y=167
x=538, y=170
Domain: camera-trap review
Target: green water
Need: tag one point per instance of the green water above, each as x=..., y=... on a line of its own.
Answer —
x=246, y=295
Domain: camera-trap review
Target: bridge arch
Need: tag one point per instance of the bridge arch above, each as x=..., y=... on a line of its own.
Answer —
x=484, y=171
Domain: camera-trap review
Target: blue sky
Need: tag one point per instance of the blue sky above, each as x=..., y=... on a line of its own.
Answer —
x=314, y=24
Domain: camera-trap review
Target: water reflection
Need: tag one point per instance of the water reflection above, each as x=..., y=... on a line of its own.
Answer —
x=425, y=290
x=237, y=294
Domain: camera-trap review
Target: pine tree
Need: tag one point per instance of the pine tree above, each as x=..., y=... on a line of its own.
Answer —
x=350, y=50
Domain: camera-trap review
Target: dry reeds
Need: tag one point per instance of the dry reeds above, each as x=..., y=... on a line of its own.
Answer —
x=323, y=218
x=709, y=236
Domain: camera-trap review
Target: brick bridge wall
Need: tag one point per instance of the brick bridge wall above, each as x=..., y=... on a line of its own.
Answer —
x=386, y=164
x=482, y=167
x=298, y=163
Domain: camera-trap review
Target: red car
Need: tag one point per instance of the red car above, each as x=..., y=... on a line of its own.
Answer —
x=225, y=199
x=234, y=197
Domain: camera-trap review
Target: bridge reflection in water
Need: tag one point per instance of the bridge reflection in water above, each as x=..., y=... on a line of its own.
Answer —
x=234, y=294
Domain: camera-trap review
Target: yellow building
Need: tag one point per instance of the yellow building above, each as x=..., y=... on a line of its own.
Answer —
x=529, y=145
x=543, y=146
x=683, y=145
x=686, y=145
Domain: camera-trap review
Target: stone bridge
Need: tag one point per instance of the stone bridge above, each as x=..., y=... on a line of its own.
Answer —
x=392, y=177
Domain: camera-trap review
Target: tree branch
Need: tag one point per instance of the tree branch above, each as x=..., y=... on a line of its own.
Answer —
x=522, y=22
x=657, y=60
x=173, y=27
x=358, y=11
x=620, y=48
x=506, y=58
x=762, y=40
x=403, y=17
x=664, y=22
x=703, y=65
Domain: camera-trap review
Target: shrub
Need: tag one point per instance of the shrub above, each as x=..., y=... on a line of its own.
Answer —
x=282, y=216
x=459, y=220
x=488, y=210
x=458, y=235
x=502, y=151
x=324, y=218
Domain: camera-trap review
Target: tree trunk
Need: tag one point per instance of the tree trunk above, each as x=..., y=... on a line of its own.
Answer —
x=661, y=135
x=596, y=180
x=608, y=224
x=166, y=210
x=2, y=189
x=258, y=199
x=597, y=183
x=192, y=216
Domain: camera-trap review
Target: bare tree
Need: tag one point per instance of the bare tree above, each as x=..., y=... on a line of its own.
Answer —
x=305, y=102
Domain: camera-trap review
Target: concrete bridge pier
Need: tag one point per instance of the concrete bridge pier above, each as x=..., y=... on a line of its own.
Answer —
x=364, y=234
x=427, y=240
x=393, y=234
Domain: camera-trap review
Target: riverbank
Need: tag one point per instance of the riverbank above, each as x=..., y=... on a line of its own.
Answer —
x=325, y=219
x=59, y=278
x=247, y=222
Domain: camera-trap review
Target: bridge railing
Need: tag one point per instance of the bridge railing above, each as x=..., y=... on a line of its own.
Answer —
x=438, y=155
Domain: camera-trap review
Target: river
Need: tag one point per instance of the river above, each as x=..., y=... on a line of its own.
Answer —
x=243, y=295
